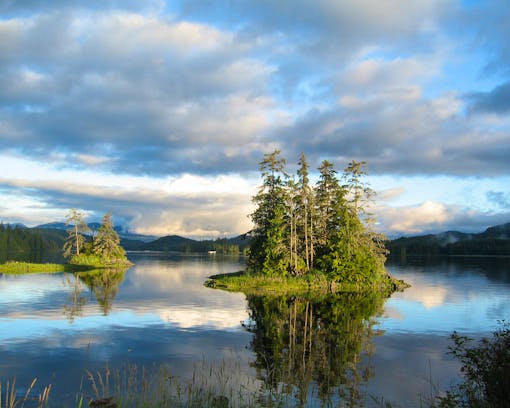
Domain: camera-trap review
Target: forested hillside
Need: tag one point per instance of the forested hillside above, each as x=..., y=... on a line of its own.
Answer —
x=175, y=243
x=24, y=244
x=494, y=241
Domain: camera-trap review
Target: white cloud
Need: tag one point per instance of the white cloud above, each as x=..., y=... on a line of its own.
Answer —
x=162, y=107
x=413, y=220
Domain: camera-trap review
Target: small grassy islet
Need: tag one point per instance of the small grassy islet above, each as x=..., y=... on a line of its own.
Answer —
x=249, y=283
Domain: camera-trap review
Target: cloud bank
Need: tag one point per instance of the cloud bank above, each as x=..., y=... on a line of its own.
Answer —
x=198, y=92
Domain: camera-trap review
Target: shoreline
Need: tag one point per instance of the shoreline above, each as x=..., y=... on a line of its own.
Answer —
x=317, y=283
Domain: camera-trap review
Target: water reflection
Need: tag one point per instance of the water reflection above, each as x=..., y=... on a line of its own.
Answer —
x=52, y=328
x=103, y=283
x=75, y=300
x=314, y=346
x=465, y=294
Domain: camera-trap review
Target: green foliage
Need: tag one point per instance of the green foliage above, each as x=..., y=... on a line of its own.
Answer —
x=269, y=250
x=75, y=239
x=328, y=227
x=486, y=371
x=314, y=282
x=18, y=268
x=104, y=251
x=24, y=244
x=86, y=259
x=107, y=243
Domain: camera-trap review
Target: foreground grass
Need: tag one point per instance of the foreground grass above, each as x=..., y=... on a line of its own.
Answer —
x=221, y=385
x=485, y=367
x=252, y=284
x=9, y=397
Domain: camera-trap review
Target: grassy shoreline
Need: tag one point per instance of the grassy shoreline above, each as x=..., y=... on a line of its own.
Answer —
x=21, y=268
x=318, y=283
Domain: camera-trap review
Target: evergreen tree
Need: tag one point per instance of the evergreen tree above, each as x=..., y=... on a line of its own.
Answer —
x=329, y=206
x=362, y=234
x=306, y=212
x=107, y=242
x=298, y=229
x=269, y=252
x=75, y=239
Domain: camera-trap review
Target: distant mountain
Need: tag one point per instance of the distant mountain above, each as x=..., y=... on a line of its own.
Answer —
x=170, y=243
x=56, y=231
x=53, y=225
x=131, y=244
x=94, y=226
x=179, y=244
x=493, y=241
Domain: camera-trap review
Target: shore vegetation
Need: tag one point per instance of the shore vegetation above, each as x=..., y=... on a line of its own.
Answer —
x=104, y=250
x=84, y=249
x=318, y=237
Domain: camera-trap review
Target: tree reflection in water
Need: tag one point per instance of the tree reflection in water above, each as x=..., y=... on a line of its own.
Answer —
x=314, y=347
x=75, y=301
x=103, y=283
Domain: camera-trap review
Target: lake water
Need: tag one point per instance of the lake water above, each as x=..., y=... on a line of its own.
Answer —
x=56, y=326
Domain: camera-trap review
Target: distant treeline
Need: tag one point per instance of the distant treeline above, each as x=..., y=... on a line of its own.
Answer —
x=175, y=243
x=23, y=244
x=495, y=241
x=43, y=244
x=19, y=243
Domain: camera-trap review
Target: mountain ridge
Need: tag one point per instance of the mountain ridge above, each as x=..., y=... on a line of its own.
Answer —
x=494, y=240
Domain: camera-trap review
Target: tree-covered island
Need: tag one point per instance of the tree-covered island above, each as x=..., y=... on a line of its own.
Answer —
x=308, y=238
x=83, y=248
x=103, y=250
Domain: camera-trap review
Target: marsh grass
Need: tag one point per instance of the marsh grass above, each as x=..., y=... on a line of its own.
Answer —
x=10, y=397
x=217, y=385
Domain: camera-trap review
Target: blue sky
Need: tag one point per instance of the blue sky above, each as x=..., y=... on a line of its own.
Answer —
x=160, y=112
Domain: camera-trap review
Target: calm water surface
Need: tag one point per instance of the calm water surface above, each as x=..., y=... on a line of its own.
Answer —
x=55, y=326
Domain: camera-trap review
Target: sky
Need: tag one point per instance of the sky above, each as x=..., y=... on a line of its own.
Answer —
x=159, y=112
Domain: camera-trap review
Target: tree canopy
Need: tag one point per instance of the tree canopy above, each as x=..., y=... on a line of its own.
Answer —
x=103, y=249
x=75, y=238
x=301, y=229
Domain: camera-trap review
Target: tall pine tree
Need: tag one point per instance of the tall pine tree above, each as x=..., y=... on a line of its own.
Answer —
x=75, y=238
x=269, y=252
x=107, y=242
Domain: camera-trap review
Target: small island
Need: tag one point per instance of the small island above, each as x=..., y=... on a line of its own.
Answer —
x=312, y=238
x=102, y=250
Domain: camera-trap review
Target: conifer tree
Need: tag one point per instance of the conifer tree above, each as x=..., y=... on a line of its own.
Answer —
x=298, y=229
x=75, y=239
x=107, y=242
x=269, y=252
x=305, y=217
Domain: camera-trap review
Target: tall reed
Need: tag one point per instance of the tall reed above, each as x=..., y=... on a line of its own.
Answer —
x=10, y=398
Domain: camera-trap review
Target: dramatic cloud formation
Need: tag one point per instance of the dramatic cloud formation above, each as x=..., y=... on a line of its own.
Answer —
x=105, y=105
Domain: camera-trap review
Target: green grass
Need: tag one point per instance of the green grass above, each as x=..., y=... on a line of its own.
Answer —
x=21, y=268
x=97, y=262
x=292, y=285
